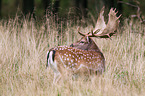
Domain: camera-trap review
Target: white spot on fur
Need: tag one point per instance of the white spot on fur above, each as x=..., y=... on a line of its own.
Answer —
x=72, y=61
x=75, y=64
x=62, y=48
x=74, y=68
x=69, y=63
x=65, y=66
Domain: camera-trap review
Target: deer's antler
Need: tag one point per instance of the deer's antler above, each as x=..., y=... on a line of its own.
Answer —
x=100, y=22
x=101, y=29
x=106, y=31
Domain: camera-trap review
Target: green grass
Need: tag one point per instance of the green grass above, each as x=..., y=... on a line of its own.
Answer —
x=23, y=50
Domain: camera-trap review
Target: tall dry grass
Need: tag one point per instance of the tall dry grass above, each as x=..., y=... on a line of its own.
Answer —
x=23, y=49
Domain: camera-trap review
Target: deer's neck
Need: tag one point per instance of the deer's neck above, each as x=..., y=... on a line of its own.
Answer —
x=93, y=47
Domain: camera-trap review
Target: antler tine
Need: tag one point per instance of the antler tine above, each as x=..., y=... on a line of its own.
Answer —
x=80, y=32
x=87, y=34
x=93, y=33
x=119, y=17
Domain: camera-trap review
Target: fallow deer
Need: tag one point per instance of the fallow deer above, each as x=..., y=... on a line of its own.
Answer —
x=84, y=56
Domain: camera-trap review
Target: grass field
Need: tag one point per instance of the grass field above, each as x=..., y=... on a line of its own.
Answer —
x=23, y=50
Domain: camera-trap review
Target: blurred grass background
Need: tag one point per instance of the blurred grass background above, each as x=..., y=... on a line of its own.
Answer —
x=23, y=49
x=27, y=35
x=73, y=8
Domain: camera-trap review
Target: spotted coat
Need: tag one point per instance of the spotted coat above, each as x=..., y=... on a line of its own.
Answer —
x=75, y=60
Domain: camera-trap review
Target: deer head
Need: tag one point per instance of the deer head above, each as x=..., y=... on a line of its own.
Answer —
x=84, y=55
x=101, y=31
x=85, y=43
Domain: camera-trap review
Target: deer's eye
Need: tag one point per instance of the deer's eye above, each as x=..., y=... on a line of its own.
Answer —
x=82, y=42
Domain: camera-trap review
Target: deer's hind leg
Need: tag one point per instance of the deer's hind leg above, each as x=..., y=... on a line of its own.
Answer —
x=57, y=76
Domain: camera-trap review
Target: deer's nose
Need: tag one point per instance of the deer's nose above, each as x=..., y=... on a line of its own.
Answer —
x=71, y=45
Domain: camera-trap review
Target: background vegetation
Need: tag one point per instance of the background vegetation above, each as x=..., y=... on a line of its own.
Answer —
x=24, y=43
x=23, y=50
x=77, y=8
